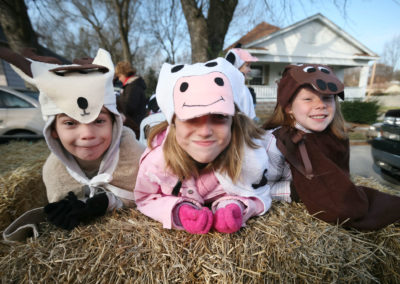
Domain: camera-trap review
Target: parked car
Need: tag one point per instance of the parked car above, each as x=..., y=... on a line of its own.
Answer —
x=374, y=131
x=386, y=148
x=20, y=115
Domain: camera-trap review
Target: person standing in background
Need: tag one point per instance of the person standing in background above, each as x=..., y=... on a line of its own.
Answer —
x=242, y=59
x=132, y=101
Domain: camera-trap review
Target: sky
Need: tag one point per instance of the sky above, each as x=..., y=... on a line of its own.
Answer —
x=371, y=22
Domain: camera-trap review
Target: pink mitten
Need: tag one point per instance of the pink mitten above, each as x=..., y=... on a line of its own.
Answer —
x=228, y=219
x=195, y=221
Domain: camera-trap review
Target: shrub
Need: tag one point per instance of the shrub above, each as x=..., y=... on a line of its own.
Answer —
x=360, y=112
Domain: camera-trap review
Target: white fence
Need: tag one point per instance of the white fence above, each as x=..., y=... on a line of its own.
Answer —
x=268, y=94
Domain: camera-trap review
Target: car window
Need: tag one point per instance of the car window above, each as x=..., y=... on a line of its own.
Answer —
x=32, y=94
x=11, y=101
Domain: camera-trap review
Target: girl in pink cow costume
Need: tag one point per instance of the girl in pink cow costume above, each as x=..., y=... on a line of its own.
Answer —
x=205, y=166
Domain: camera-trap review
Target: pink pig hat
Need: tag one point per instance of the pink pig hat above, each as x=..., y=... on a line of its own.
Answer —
x=238, y=57
x=195, y=90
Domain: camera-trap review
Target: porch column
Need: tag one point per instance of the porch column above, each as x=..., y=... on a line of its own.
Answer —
x=363, y=81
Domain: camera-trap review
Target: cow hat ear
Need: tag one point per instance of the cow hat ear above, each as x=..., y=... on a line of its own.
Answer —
x=231, y=57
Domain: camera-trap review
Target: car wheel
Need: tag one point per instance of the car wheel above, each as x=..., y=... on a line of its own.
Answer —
x=21, y=135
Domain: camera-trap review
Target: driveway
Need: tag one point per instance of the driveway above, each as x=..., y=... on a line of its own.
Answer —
x=361, y=164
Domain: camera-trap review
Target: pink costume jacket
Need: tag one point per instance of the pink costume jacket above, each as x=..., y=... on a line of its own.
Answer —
x=154, y=186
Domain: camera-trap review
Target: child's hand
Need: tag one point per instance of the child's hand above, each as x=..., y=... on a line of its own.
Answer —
x=228, y=219
x=195, y=221
x=69, y=212
x=58, y=213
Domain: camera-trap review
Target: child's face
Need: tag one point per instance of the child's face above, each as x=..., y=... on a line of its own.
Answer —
x=245, y=68
x=312, y=110
x=86, y=142
x=205, y=137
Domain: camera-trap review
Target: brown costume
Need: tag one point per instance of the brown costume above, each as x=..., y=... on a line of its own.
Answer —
x=319, y=161
x=326, y=188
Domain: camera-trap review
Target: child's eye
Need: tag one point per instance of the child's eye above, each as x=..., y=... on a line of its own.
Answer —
x=69, y=122
x=219, y=117
x=100, y=121
x=327, y=98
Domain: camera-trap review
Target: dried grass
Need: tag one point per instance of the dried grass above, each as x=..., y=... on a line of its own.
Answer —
x=21, y=185
x=286, y=245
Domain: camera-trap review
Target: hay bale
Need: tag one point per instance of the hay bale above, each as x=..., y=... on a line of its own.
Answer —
x=21, y=184
x=285, y=245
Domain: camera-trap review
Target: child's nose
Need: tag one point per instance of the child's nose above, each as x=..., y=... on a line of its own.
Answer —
x=320, y=103
x=205, y=128
x=87, y=131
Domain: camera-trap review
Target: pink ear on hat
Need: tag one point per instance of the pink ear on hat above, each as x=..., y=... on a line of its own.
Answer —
x=245, y=55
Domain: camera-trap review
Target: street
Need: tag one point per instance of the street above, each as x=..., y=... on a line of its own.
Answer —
x=361, y=164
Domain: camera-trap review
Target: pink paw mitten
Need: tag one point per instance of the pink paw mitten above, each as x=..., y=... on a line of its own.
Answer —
x=228, y=219
x=195, y=221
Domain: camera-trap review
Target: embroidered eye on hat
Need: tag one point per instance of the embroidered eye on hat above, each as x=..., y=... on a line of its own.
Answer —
x=319, y=77
x=195, y=90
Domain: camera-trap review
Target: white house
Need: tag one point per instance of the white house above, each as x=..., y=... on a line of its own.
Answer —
x=312, y=40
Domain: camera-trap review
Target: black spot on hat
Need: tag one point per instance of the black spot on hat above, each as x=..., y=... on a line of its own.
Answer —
x=184, y=86
x=211, y=64
x=231, y=58
x=332, y=87
x=219, y=81
x=321, y=84
x=82, y=103
x=176, y=68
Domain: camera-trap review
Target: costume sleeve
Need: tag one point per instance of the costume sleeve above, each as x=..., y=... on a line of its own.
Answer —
x=153, y=192
x=279, y=175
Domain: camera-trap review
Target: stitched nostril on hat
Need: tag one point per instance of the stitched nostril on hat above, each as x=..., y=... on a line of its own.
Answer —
x=184, y=86
x=219, y=81
x=82, y=103
x=321, y=84
x=332, y=87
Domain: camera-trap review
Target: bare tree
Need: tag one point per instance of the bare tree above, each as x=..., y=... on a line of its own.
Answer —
x=16, y=25
x=166, y=26
x=391, y=53
x=207, y=33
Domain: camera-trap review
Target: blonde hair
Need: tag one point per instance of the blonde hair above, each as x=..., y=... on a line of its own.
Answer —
x=124, y=68
x=229, y=161
x=281, y=118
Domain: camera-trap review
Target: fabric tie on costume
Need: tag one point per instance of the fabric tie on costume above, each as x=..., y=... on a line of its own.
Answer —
x=98, y=181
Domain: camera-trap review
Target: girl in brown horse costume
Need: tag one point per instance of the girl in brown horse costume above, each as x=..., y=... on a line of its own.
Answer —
x=308, y=152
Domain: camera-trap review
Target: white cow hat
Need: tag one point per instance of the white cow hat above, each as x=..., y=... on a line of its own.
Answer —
x=194, y=90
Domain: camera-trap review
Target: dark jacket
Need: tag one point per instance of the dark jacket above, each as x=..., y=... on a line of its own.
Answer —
x=132, y=103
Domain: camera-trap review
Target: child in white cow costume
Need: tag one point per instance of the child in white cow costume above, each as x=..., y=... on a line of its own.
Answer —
x=207, y=153
x=93, y=163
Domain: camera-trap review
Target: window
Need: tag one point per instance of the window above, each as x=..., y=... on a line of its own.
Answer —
x=256, y=75
x=11, y=101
